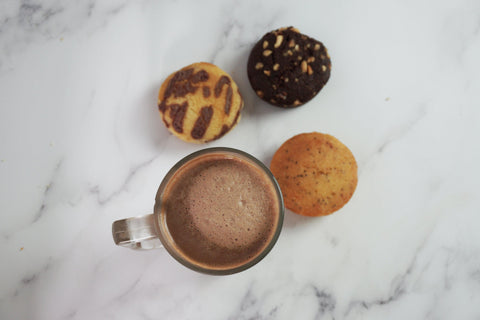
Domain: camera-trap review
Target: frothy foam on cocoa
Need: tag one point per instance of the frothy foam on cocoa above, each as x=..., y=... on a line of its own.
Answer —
x=220, y=211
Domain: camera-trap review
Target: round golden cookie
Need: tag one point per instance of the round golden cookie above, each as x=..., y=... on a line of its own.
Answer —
x=200, y=103
x=316, y=173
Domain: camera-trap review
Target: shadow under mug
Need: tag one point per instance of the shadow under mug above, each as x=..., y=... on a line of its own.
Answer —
x=151, y=231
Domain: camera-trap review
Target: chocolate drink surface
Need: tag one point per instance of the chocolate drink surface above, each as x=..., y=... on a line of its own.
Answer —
x=221, y=212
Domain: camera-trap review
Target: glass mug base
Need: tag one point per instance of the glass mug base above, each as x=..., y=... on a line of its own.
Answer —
x=217, y=211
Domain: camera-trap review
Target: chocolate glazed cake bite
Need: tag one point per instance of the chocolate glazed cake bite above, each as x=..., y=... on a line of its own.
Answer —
x=287, y=68
x=200, y=103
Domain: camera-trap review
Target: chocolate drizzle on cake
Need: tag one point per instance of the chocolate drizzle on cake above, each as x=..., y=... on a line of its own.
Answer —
x=202, y=123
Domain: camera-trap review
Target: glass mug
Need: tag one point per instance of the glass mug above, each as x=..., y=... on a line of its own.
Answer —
x=217, y=211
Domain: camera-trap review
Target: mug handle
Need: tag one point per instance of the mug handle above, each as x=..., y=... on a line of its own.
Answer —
x=136, y=233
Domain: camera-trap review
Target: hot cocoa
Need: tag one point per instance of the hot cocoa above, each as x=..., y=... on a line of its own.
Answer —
x=221, y=211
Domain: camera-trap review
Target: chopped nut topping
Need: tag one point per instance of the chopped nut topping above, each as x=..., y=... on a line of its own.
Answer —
x=278, y=41
x=282, y=95
x=317, y=47
x=309, y=70
x=259, y=65
x=324, y=68
x=310, y=59
x=265, y=44
x=304, y=66
x=266, y=53
x=291, y=44
x=276, y=66
x=267, y=72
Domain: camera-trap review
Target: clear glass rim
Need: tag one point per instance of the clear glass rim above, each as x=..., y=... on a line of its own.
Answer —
x=163, y=234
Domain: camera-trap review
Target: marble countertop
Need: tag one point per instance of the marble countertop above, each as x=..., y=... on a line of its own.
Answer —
x=82, y=145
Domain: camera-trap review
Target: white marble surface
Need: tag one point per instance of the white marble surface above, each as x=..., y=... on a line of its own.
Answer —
x=82, y=144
